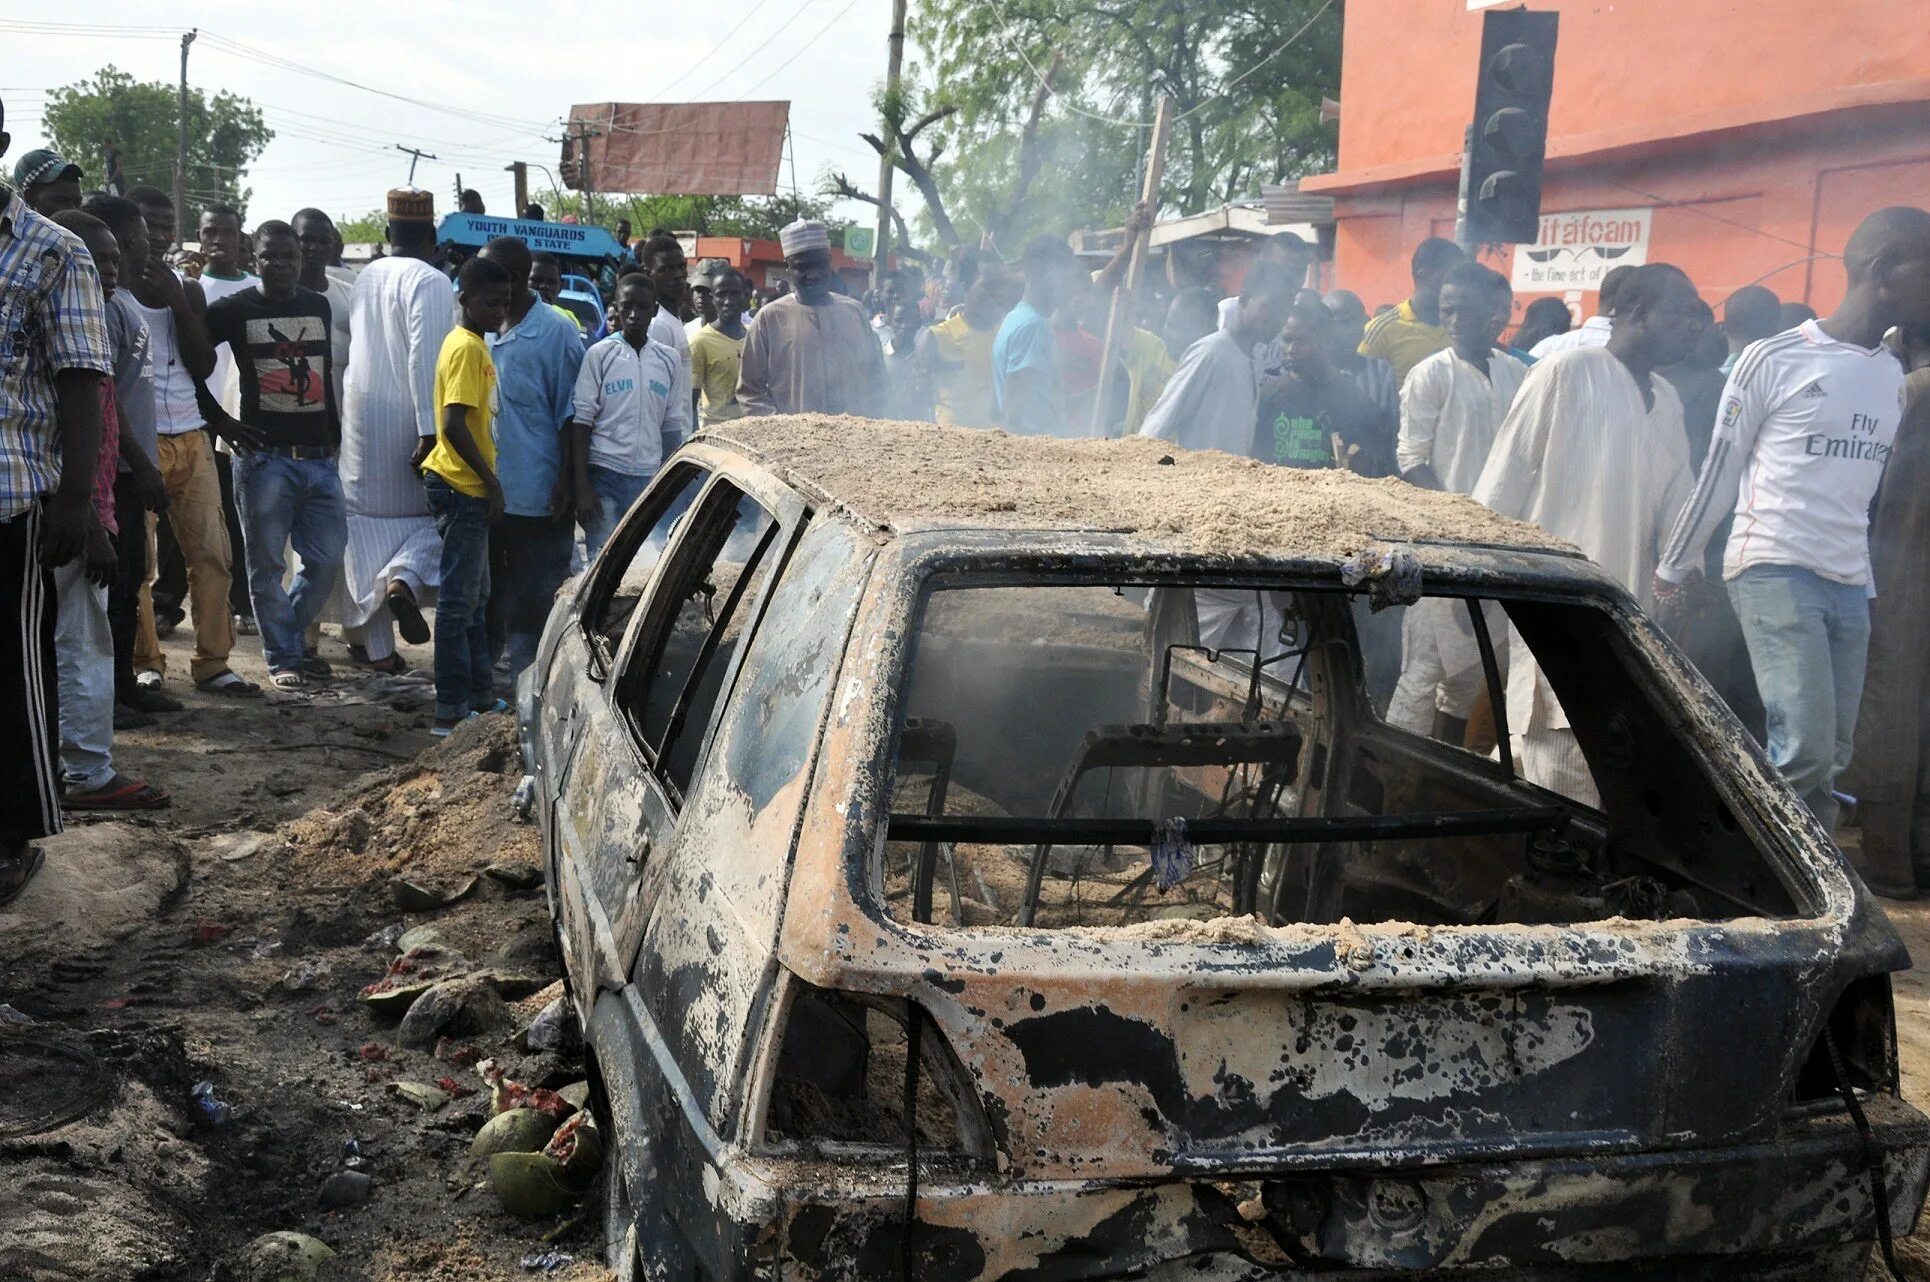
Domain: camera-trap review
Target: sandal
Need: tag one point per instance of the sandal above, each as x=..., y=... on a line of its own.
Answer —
x=290, y=679
x=120, y=793
x=408, y=615
x=230, y=685
x=16, y=872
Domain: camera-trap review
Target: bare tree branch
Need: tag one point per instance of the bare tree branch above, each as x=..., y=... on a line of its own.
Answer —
x=840, y=186
x=1030, y=158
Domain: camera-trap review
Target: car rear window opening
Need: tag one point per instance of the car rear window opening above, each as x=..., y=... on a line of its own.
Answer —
x=1094, y=755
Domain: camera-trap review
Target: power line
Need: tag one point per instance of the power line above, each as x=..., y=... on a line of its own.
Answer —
x=747, y=59
x=664, y=92
x=800, y=49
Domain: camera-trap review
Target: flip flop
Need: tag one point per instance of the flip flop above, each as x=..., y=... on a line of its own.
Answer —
x=408, y=615
x=131, y=794
x=229, y=686
x=30, y=859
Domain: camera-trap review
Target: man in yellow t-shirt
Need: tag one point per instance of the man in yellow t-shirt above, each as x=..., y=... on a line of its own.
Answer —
x=955, y=355
x=717, y=351
x=459, y=476
x=1413, y=332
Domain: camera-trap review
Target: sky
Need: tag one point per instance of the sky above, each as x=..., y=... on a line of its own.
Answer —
x=521, y=65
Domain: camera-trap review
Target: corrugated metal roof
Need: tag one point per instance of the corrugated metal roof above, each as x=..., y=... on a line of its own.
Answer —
x=1286, y=203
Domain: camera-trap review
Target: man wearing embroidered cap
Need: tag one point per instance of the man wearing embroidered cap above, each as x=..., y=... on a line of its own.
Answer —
x=811, y=351
x=48, y=182
x=402, y=310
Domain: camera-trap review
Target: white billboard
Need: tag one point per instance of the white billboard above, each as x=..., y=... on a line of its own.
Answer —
x=1575, y=250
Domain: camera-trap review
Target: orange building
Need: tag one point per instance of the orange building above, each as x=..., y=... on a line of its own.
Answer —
x=1741, y=140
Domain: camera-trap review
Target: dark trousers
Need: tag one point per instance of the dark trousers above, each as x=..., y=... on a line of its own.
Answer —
x=29, y=700
x=238, y=600
x=124, y=596
x=529, y=557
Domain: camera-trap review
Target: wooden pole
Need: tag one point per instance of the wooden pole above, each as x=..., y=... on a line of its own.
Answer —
x=1125, y=298
x=894, y=65
x=181, y=220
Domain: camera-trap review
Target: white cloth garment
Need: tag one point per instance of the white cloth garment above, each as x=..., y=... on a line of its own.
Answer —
x=1212, y=401
x=1581, y=456
x=1592, y=332
x=1450, y=412
x=225, y=382
x=1806, y=427
x=626, y=395
x=668, y=330
x=400, y=312
x=341, y=304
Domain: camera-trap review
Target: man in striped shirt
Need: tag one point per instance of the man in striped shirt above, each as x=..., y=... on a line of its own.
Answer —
x=1805, y=428
x=54, y=354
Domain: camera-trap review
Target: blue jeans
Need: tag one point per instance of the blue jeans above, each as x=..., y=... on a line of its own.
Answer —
x=284, y=501
x=616, y=491
x=1808, y=641
x=463, y=667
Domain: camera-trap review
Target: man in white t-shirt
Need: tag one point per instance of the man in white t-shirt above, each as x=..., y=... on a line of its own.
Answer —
x=220, y=232
x=1806, y=426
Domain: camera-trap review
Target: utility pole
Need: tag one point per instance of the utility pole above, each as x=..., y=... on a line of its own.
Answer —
x=894, y=64
x=520, y=172
x=181, y=143
x=414, y=154
x=459, y=189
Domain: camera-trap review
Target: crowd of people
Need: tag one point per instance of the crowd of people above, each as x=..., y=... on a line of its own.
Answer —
x=170, y=432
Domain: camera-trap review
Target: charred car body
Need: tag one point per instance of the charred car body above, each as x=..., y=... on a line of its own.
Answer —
x=984, y=858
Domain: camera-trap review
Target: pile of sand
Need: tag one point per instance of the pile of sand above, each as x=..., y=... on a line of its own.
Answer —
x=100, y=881
x=892, y=474
x=445, y=813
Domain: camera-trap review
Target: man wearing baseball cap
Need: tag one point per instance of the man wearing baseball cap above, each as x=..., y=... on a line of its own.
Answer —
x=48, y=182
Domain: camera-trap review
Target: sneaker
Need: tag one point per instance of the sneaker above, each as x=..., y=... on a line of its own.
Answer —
x=130, y=718
x=245, y=626
x=315, y=666
x=166, y=621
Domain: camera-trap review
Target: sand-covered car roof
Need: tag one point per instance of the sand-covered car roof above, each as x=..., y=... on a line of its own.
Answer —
x=904, y=476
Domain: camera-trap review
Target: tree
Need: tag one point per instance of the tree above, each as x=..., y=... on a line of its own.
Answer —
x=225, y=134
x=1247, y=81
x=371, y=228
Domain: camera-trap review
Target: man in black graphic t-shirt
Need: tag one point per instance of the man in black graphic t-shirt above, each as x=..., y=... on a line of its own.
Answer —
x=285, y=479
x=1312, y=415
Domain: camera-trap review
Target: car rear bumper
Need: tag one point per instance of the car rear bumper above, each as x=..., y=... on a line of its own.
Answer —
x=1798, y=1207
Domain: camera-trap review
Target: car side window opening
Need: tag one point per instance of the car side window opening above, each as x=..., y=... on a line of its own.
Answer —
x=1091, y=755
x=624, y=571
x=704, y=607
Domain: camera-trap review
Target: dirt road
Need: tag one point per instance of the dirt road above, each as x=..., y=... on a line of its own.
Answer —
x=226, y=941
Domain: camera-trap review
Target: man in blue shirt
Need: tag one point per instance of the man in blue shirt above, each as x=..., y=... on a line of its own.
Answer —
x=537, y=358
x=1025, y=372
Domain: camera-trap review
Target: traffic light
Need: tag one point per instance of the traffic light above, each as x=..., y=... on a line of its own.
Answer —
x=1501, y=171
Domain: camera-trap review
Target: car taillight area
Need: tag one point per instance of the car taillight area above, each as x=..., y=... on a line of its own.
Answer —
x=849, y=1085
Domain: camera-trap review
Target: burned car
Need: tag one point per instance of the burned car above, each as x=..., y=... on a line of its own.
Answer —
x=985, y=857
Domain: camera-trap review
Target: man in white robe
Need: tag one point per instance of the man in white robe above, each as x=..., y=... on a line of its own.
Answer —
x=403, y=308
x=1594, y=450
